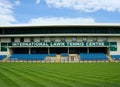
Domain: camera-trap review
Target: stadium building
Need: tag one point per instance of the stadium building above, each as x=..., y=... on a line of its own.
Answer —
x=60, y=43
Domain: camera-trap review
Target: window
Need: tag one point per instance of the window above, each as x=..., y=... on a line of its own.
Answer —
x=52, y=39
x=32, y=39
x=74, y=39
x=21, y=39
x=84, y=39
x=42, y=39
x=105, y=39
x=12, y=39
x=63, y=39
x=94, y=39
x=72, y=51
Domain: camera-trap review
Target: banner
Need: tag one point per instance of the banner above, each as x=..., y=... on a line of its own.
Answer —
x=112, y=45
x=59, y=44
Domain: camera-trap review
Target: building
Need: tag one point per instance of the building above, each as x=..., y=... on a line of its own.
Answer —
x=60, y=43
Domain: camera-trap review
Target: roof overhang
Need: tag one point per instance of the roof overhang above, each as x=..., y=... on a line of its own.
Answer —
x=63, y=25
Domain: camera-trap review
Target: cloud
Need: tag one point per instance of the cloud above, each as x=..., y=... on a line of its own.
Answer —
x=6, y=12
x=37, y=1
x=60, y=21
x=86, y=5
x=6, y=19
x=17, y=2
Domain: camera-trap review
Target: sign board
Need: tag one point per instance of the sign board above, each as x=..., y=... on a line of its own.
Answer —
x=3, y=46
x=36, y=44
x=112, y=45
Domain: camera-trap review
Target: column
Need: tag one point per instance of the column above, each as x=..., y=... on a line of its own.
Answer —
x=29, y=50
x=48, y=50
x=68, y=50
x=108, y=51
x=88, y=50
x=68, y=54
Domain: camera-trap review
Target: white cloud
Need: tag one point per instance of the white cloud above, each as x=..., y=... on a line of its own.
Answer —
x=6, y=12
x=6, y=19
x=86, y=5
x=37, y=1
x=17, y=2
x=60, y=21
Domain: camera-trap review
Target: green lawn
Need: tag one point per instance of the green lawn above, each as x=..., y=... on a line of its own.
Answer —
x=60, y=75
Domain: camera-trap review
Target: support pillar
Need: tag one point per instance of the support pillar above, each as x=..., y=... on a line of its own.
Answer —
x=48, y=50
x=29, y=50
x=108, y=51
x=88, y=50
x=68, y=50
x=68, y=54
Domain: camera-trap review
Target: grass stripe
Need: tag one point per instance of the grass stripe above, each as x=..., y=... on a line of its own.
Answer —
x=21, y=78
x=57, y=75
x=46, y=79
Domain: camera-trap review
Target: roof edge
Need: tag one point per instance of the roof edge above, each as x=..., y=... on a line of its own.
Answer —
x=50, y=25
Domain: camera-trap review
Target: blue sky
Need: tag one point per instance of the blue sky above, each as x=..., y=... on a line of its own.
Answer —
x=59, y=11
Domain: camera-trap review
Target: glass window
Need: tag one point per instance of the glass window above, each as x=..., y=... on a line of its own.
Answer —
x=32, y=39
x=63, y=39
x=94, y=39
x=12, y=39
x=21, y=39
x=105, y=39
x=52, y=39
x=74, y=39
x=42, y=39
x=84, y=39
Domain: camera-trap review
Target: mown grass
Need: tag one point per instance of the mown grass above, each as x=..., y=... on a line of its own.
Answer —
x=60, y=75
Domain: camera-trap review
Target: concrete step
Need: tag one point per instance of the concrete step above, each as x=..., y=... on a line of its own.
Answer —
x=109, y=58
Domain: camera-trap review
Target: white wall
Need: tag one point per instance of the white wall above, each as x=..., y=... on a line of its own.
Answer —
x=5, y=39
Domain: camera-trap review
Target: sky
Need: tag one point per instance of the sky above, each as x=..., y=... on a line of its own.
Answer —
x=59, y=11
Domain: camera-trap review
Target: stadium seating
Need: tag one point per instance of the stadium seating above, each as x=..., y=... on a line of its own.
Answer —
x=64, y=54
x=28, y=56
x=2, y=57
x=52, y=55
x=93, y=56
x=116, y=57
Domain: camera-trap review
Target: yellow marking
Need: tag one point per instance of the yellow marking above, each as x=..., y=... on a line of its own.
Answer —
x=58, y=57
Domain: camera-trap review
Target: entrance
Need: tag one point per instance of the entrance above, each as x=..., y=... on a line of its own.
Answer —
x=72, y=58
